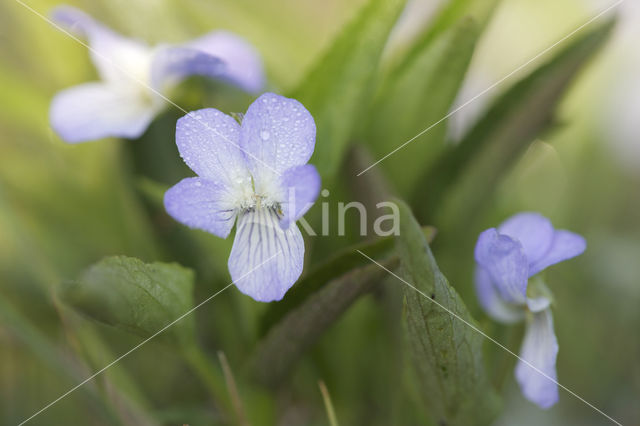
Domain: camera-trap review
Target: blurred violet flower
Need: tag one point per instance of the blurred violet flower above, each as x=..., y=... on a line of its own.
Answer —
x=507, y=257
x=255, y=173
x=136, y=77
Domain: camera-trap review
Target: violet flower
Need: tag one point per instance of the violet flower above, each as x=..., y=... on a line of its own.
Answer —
x=256, y=174
x=136, y=77
x=507, y=258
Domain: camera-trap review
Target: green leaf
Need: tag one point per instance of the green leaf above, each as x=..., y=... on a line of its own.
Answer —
x=470, y=172
x=339, y=85
x=446, y=18
x=141, y=298
x=447, y=353
x=420, y=91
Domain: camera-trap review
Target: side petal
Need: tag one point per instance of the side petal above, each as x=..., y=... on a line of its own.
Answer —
x=504, y=260
x=277, y=134
x=243, y=65
x=534, y=232
x=539, y=349
x=95, y=110
x=171, y=64
x=265, y=260
x=302, y=186
x=565, y=245
x=208, y=141
x=492, y=302
x=201, y=204
x=119, y=60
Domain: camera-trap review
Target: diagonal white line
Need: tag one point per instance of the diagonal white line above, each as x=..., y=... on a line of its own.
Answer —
x=142, y=343
x=494, y=85
x=143, y=83
x=486, y=336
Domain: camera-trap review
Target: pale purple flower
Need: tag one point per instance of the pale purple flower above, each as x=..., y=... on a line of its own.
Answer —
x=136, y=78
x=507, y=258
x=255, y=174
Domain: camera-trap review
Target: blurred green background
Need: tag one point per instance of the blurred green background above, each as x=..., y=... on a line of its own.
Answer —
x=63, y=208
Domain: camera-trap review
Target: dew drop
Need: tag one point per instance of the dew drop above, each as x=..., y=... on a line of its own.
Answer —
x=264, y=134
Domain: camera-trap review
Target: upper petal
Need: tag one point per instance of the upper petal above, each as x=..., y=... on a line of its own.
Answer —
x=265, y=260
x=171, y=64
x=96, y=110
x=302, y=186
x=492, y=302
x=504, y=260
x=537, y=376
x=565, y=245
x=534, y=232
x=277, y=134
x=199, y=203
x=119, y=60
x=243, y=65
x=208, y=141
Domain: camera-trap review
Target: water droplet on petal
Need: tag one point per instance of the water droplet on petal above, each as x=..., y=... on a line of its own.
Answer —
x=264, y=134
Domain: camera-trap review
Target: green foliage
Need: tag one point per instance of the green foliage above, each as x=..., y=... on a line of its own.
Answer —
x=467, y=175
x=336, y=90
x=64, y=207
x=141, y=298
x=447, y=352
x=419, y=92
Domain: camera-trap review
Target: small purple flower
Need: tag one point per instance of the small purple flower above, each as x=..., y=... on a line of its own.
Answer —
x=255, y=173
x=136, y=77
x=507, y=258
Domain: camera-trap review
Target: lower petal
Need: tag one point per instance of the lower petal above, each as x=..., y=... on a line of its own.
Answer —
x=265, y=260
x=537, y=376
x=95, y=110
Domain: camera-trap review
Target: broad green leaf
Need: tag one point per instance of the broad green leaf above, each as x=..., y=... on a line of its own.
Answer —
x=141, y=298
x=447, y=353
x=338, y=88
x=467, y=175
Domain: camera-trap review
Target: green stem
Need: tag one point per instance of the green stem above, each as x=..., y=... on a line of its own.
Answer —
x=210, y=375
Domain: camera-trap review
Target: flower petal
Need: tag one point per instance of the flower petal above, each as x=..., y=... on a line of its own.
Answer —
x=199, y=203
x=95, y=110
x=540, y=349
x=538, y=304
x=243, y=63
x=171, y=64
x=277, y=134
x=492, y=302
x=534, y=232
x=265, y=260
x=302, y=186
x=504, y=260
x=119, y=60
x=565, y=245
x=208, y=141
